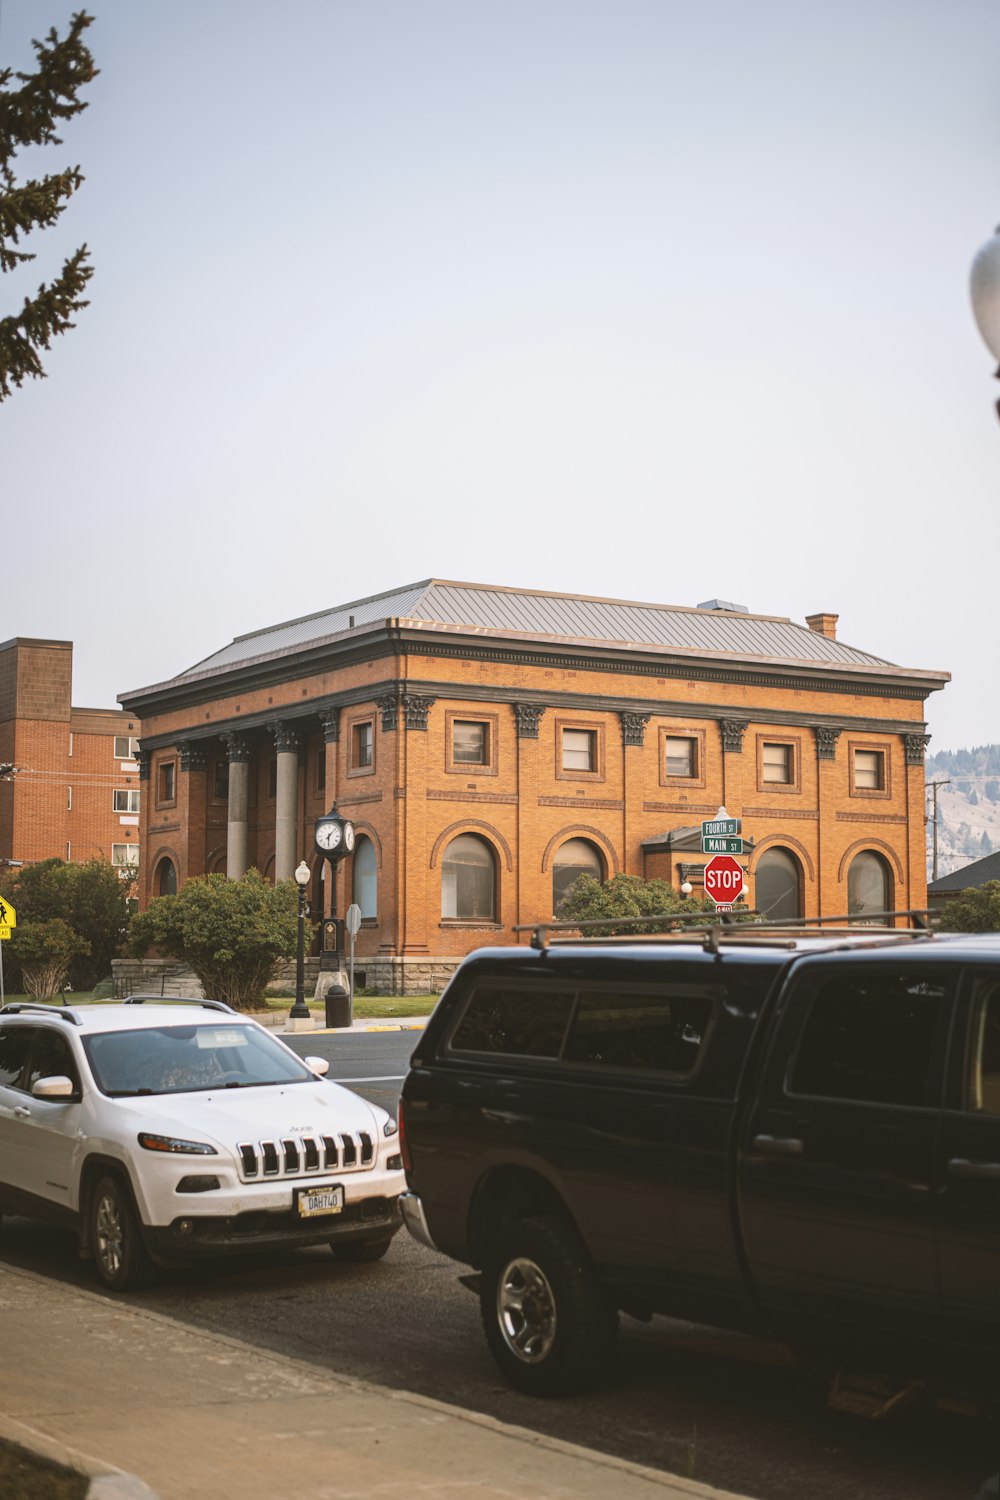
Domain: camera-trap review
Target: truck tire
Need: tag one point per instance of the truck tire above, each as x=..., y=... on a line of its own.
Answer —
x=548, y=1321
x=120, y=1255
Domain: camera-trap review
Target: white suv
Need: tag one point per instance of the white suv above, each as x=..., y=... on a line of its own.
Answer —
x=166, y=1131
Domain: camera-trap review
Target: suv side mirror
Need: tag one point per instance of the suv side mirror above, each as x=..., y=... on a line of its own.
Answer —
x=319, y=1065
x=56, y=1087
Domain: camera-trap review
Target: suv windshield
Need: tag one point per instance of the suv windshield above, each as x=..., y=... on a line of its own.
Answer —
x=187, y=1059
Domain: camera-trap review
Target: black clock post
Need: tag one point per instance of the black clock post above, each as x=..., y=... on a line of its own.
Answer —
x=334, y=840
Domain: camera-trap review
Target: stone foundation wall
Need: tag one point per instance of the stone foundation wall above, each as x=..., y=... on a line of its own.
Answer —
x=384, y=975
x=167, y=976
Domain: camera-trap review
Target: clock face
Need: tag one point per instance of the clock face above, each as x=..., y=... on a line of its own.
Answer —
x=348, y=836
x=328, y=835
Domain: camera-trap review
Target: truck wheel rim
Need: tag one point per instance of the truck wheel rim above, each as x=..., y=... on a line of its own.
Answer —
x=526, y=1311
x=109, y=1235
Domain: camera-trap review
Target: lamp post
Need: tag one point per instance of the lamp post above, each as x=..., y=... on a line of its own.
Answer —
x=300, y=1011
x=984, y=287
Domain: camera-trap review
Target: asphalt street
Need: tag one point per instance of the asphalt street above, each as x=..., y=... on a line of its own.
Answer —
x=721, y=1409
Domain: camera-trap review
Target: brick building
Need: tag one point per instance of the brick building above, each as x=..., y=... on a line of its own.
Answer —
x=490, y=744
x=74, y=791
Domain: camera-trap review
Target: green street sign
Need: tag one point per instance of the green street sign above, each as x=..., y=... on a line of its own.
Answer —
x=722, y=845
x=714, y=828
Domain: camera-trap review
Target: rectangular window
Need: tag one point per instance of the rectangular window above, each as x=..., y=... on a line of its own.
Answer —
x=514, y=1022
x=869, y=770
x=470, y=744
x=126, y=747
x=125, y=854
x=126, y=800
x=777, y=764
x=661, y=1032
x=69, y=799
x=680, y=756
x=362, y=746
x=876, y=1038
x=579, y=750
x=167, y=783
x=220, y=781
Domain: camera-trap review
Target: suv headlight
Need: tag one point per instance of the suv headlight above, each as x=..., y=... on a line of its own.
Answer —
x=173, y=1144
x=390, y=1127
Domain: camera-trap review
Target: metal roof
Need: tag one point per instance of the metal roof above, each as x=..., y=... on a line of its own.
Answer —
x=534, y=612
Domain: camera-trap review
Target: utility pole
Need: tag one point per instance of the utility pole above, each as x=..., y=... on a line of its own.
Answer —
x=932, y=787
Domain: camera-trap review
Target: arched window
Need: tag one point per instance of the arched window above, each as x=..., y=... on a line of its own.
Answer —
x=166, y=878
x=574, y=858
x=468, y=880
x=365, y=877
x=778, y=885
x=869, y=884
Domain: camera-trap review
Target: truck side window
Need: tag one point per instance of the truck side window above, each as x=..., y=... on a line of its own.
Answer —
x=639, y=1031
x=514, y=1022
x=875, y=1037
x=983, y=1087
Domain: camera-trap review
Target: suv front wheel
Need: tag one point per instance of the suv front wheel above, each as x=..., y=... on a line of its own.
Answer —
x=548, y=1322
x=122, y=1260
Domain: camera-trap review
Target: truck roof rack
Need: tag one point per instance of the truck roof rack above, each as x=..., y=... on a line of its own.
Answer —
x=729, y=927
x=179, y=1000
x=16, y=1007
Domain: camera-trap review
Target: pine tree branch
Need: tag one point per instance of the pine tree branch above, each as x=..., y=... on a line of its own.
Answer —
x=28, y=115
x=48, y=313
x=36, y=204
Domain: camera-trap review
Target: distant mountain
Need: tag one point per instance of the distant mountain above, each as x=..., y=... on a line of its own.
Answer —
x=968, y=808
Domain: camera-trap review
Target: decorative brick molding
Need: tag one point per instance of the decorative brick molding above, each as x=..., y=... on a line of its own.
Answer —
x=388, y=707
x=633, y=727
x=782, y=841
x=915, y=746
x=142, y=760
x=237, y=749
x=355, y=799
x=581, y=831
x=527, y=715
x=733, y=731
x=827, y=736
x=416, y=707
x=286, y=738
x=783, y=813
x=608, y=804
x=194, y=757
x=329, y=718
x=471, y=825
x=435, y=796
x=861, y=817
x=682, y=807
x=876, y=846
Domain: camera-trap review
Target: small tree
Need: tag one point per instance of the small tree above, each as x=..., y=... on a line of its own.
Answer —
x=587, y=900
x=45, y=951
x=232, y=933
x=91, y=898
x=29, y=115
x=975, y=910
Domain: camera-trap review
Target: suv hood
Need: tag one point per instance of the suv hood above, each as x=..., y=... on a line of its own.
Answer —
x=228, y=1115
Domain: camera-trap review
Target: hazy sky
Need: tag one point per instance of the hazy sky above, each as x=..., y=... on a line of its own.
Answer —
x=654, y=299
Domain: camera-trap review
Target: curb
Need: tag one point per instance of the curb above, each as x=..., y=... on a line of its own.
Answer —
x=356, y=1030
x=106, y=1482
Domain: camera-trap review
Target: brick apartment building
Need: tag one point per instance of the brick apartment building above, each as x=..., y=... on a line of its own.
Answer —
x=74, y=791
x=490, y=744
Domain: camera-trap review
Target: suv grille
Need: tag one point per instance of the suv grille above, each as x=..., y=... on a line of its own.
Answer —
x=300, y=1155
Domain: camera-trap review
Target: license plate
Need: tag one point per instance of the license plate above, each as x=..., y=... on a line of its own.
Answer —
x=316, y=1201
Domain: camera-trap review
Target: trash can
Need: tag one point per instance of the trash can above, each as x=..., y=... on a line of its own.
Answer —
x=338, y=1006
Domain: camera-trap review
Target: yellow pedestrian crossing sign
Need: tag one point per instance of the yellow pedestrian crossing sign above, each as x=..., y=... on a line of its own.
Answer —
x=4, y=934
x=8, y=919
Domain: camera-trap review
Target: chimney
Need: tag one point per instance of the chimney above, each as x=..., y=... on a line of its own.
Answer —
x=824, y=625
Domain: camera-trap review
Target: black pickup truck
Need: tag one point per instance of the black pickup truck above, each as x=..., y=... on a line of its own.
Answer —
x=789, y=1135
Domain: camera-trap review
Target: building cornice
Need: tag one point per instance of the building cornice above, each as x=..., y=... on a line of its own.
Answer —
x=509, y=648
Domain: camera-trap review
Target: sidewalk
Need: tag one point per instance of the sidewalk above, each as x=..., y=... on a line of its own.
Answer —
x=201, y=1415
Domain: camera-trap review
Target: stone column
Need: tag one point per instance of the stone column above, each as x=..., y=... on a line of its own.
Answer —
x=238, y=751
x=286, y=742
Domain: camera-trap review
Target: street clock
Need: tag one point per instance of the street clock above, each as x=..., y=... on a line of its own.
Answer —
x=334, y=835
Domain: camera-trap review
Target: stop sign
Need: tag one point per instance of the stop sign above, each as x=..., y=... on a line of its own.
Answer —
x=724, y=879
